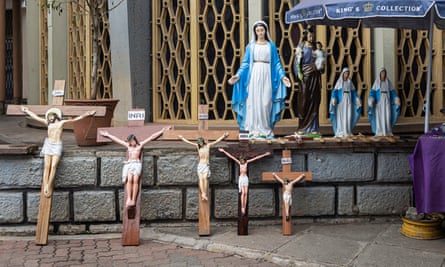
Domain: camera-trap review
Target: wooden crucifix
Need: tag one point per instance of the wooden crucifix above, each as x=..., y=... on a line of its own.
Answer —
x=203, y=135
x=132, y=170
x=52, y=152
x=287, y=178
x=203, y=170
x=243, y=155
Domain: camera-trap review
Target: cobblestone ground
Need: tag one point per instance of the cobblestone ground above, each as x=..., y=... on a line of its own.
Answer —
x=110, y=252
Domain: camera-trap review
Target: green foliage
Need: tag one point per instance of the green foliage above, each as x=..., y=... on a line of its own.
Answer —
x=55, y=5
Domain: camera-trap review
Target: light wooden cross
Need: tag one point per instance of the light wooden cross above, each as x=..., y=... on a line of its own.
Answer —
x=202, y=131
x=57, y=102
x=131, y=215
x=45, y=202
x=286, y=173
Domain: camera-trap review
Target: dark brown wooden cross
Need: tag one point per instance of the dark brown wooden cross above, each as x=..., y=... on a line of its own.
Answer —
x=245, y=151
x=131, y=215
x=286, y=173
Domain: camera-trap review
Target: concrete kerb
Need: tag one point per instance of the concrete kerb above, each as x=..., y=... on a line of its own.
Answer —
x=189, y=242
x=206, y=244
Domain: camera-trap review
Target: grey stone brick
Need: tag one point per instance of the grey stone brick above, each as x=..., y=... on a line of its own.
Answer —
x=261, y=202
x=226, y=203
x=345, y=203
x=177, y=170
x=313, y=201
x=23, y=172
x=22, y=230
x=60, y=207
x=161, y=204
x=191, y=208
x=220, y=171
x=72, y=229
x=341, y=166
x=11, y=207
x=111, y=170
x=76, y=171
x=92, y=206
x=181, y=169
x=105, y=228
x=157, y=204
x=383, y=199
x=393, y=167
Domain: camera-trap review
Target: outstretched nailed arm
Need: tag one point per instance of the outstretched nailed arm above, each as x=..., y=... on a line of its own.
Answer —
x=258, y=157
x=219, y=139
x=301, y=177
x=78, y=118
x=155, y=135
x=113, y=138
x=32, y=115
x=187, y=141
x=277, y=178
x=229, y=155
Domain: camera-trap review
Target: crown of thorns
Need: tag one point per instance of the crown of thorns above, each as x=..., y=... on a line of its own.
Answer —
x=53, y=111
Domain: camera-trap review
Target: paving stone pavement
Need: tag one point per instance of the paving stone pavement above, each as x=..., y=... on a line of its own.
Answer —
x=110, y=252
x=311, y=244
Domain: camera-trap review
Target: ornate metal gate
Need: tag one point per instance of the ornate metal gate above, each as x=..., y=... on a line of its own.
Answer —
x=80, y=53
x=198, y=45
x=412, y=74
x=196, y=48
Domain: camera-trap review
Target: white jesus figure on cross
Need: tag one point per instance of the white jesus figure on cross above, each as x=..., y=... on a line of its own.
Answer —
x=203, y=164
x=287, y=191
x=243, y=180
x=52, y=147
x=133, y=166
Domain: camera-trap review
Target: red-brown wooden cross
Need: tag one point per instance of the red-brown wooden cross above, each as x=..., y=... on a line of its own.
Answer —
x=131, y=215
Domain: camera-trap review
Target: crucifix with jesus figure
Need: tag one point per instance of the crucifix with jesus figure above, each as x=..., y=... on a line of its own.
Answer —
x=243, y=155
x=287, y=178
x=132, y=169
x=52, y=148
x=202, y=135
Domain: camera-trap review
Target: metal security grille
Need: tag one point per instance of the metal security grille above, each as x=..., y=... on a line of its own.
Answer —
x=9, y=68
x=197, y=46
x=412, y=74
x=9, y=61
x=80, y=54
x=220, y=37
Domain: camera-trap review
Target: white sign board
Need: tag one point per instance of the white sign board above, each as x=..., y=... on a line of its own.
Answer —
x=136, y=115
x=58, y=92
x=286, y=161
x=203, y=116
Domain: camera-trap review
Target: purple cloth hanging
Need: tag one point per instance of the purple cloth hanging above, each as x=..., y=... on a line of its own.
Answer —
x=428, y=170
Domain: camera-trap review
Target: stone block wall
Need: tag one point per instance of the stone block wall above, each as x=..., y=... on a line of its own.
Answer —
x=347, y=183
